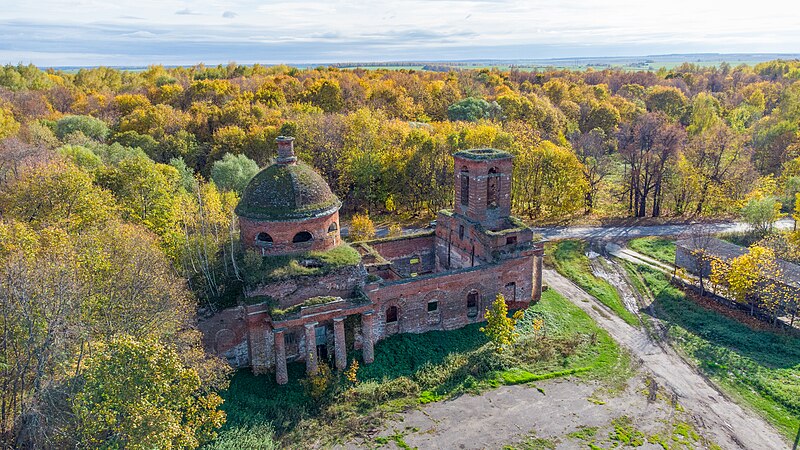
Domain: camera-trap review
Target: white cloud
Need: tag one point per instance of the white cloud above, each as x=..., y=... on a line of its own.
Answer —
x=375, y=30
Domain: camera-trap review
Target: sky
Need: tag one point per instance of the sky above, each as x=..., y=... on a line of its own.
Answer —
x=172, y=32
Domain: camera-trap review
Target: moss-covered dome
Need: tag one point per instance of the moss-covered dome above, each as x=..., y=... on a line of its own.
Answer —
x=287, y=192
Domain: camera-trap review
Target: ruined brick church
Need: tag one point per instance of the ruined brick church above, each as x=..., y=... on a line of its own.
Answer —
x=343, y=297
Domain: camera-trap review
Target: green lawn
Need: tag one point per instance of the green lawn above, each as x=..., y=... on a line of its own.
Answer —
x=569, y=259
x=758, y=368
x=655, y=247
x=411, y=369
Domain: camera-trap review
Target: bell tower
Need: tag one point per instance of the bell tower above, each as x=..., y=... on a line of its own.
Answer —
x=483, y=186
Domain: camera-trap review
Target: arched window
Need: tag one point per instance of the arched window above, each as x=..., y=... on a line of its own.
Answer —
x=472, y=303
x=333, y=227
x=391, y=314
x=264, y=239
x=303, y=236
x=464, y=186
x=492, y=188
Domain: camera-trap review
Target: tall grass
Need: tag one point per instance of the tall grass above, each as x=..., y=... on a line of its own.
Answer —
x=760, y=368
x=569, y=259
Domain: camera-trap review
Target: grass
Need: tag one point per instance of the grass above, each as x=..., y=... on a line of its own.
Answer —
x=758, y=368
x=413, y=369
x=655, y=247
x=569, y=259
x=280, y=267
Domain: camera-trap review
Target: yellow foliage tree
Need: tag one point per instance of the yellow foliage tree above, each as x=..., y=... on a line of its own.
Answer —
x=499, y=327
x=361, y=228
x=749, y=278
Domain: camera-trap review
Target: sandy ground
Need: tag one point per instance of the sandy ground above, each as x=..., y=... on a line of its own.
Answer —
x=510, y=415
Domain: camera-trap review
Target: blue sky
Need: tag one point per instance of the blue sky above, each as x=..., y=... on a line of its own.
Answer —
x=141, y=32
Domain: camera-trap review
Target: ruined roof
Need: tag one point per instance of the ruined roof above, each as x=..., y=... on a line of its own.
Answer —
x=283, y=192
x=481, y=154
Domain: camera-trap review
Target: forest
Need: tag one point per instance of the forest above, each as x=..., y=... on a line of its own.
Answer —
x=117, y=191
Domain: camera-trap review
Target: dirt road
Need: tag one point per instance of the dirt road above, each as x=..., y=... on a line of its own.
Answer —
x=716, y=416
x=629, y=232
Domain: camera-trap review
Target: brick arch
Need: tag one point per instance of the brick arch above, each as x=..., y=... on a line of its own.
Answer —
x=462, y=299
x=224, y=340
x=391, y=327
x=437, y=294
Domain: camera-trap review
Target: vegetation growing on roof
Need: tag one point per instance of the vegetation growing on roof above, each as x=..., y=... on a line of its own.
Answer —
x=481, y=154
x=287, y=192
x=316, y=263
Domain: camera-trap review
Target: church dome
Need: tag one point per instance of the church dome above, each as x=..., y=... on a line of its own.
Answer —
x=287, y=192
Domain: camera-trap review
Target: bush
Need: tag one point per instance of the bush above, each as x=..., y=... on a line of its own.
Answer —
x=256, y=437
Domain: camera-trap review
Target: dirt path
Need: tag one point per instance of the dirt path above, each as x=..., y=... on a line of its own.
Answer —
x=716, y=416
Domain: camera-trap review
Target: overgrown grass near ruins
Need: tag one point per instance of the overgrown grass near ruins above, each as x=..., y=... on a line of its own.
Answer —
x=758, y=368
x=655, y=247
x=413, y=369
x=569, y=259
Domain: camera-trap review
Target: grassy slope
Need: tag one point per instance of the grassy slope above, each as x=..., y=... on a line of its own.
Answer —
x=655, y=247
x=759, y=368
x=417, y=368
x=569, y=259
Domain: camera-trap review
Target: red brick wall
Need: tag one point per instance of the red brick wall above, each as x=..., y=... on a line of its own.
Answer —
x=402, y=251
x=283, y=232
x=411, y=296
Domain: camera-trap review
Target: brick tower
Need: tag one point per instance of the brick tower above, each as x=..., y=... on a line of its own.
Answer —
x=483, y=186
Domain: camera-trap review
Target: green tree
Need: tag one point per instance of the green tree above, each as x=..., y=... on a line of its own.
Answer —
x=499, y=327
x=470, y=109
x=761, y=214
x=89, y=126
x=233, y=172
x=139, y=395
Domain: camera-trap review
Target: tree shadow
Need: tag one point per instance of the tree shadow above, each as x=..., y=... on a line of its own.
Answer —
x=771, y=349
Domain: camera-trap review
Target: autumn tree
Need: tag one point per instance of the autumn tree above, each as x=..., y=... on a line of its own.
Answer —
x=647, y=146
x=593, y=151
x=139, y=395
x=548, y=181
x=361, y=228
x=751, y=279
x=718, y=161
x=499, y=328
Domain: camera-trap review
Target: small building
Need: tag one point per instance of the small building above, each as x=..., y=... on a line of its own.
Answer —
x=687, y=251
x=314, y=297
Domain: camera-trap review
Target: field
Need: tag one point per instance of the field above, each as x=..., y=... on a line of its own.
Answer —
x=655, y=247
x=569, y=258
x=760, y=368
x=413, y=369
